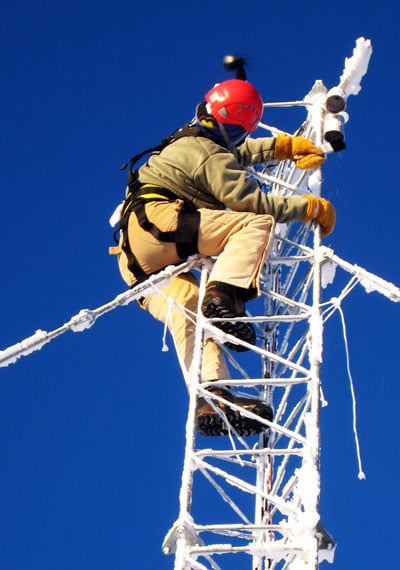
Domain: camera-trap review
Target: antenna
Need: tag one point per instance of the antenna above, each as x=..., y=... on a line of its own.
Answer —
x=235, y=63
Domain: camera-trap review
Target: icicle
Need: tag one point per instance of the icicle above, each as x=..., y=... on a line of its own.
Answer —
x=324, y=402
x=165, y=347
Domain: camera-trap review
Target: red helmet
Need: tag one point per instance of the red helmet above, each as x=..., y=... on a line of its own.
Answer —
x=235, y=102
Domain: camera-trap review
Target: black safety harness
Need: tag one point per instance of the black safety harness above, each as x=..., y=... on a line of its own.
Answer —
x=185, y=236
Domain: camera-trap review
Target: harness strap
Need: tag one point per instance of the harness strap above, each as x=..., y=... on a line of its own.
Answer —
x=185, y=236
x=133, y=264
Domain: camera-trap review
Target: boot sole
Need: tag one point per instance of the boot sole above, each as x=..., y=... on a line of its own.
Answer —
x=213, y=425
x=240, y=330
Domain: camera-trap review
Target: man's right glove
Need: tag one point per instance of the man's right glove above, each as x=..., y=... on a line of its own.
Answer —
x=302, y=151
x=322, y=212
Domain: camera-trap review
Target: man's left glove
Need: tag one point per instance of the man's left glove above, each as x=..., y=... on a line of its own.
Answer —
x=322, y=212
x=302, y=151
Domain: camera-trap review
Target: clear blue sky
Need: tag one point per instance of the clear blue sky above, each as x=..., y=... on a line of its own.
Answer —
x=93, y=425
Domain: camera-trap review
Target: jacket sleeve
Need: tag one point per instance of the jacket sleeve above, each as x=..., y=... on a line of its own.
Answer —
x=225, y=178
x=256, y=151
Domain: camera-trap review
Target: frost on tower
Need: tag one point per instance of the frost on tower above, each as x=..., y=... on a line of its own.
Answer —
x=253, y=502
x=267, y=488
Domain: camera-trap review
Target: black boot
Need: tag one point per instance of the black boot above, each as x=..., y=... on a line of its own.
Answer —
x=224, y=301
x=210, y=422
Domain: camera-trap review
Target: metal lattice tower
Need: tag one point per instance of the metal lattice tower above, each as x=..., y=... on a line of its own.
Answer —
x=265, y=489
x=269, y=486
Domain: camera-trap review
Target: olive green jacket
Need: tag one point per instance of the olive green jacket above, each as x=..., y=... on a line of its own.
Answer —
x=209, y=176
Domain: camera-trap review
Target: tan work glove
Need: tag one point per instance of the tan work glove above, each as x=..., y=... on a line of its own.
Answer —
x=322, y=212
x=302, y=151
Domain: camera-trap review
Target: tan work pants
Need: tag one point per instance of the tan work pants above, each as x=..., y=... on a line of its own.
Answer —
x=239, y=239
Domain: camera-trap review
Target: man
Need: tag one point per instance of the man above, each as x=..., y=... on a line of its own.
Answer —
x=195, y=195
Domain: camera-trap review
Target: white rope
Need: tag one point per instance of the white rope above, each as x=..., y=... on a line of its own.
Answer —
x=361, y=474
x=86, y=318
